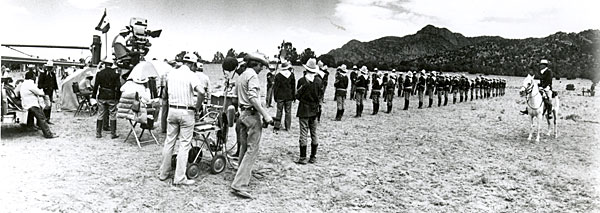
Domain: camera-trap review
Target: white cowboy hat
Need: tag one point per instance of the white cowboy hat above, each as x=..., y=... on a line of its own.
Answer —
x=364, y=70
x=344, y=67
x=544, y=61
x=311, y=65
x=354, y=67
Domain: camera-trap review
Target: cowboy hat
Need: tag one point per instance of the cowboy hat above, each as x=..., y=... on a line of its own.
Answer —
x=364, y=69
x=311, y=65
x=285, y=66
x=354, y=67
x=393, y=70
x=423, y=71
x=544, y=61
x=258, y=57
x=344, y=67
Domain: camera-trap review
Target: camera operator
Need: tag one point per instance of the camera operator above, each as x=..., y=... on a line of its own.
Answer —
x=249, y=122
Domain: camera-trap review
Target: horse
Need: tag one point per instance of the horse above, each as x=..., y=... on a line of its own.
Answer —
x=535, y=107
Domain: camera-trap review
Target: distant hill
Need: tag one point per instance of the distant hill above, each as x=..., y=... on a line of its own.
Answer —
x=432, y=48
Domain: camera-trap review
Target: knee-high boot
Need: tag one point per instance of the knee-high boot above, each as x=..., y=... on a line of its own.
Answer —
x=406, y=102
x=375, y=109
x=113, y=129
x=302, y=159
x=445, y=101
x=430, y=102
x=313, y=153
x=98, y=128
x=341, y=114
x=420, y=104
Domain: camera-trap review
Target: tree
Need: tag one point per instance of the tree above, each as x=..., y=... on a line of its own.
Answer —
x=218, y=57
x=231, y=53
x=293, y=57
x=327, y=59
x=307, y=54
x=242, y=55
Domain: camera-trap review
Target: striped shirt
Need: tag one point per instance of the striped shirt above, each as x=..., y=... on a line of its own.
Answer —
x=180, y=87
x=247, y=87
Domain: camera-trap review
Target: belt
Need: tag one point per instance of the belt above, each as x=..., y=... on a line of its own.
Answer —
x=247, y=108
x=376, y=90
x=361, y=88
x=340, y=89
x=182, y=107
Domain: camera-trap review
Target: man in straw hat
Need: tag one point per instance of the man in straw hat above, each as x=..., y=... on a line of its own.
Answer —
x=310, y=88
x=106, y=90
x=361, y=84
x=250, y=122
x=284, y=90
x=47, y=82
x=341, y=85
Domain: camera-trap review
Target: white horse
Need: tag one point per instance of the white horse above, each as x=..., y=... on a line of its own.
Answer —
x=535, y=107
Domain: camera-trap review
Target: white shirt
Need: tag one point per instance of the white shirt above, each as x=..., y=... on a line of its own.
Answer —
x=181, y=84
x=30, y=94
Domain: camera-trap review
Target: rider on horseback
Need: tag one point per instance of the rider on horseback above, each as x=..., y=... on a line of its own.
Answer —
x=545, y=86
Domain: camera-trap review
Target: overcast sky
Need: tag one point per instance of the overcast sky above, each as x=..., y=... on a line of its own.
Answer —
x=245, y=25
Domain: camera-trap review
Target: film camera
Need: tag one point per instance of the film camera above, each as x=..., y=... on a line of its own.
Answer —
x=137, y=43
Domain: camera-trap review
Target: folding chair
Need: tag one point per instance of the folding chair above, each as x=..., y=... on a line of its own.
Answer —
x=83, y=100
x=148, y=126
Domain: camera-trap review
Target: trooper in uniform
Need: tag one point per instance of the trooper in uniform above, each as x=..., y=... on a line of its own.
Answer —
x=341, y=85
x=400, y=84
x=390, y=86
x=440, y=85
x=408, y=89
x=353, y=77
x=430, y=82
x=376, y=87
x=472, y=86
x=47, y=82
x=309, y=93
x=454, y=83
x=107, y=90
x=477, y=87
x=361, y=83
x=421, y=84
x=465, y=86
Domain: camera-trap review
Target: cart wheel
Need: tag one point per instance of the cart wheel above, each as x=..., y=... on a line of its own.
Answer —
x=193, y=171
x=218, y=164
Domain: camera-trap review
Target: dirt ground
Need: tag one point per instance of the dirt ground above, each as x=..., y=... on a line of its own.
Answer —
x=464, y=157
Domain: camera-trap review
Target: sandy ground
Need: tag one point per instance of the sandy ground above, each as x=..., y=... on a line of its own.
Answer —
x=465, y=157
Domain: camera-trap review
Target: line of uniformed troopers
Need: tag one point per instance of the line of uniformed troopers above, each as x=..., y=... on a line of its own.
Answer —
x=407, y=84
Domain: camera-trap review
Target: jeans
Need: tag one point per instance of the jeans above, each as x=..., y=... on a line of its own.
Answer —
x=250, y=131
x=107, y=107
x=41, y=120
x=181, y=125
x=306, y=125
x=281, y=106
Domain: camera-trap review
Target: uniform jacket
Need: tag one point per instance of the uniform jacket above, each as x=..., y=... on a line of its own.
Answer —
x=353, y=76
x=284, y=89
x=341, y=82
x=408, y=83
x=309, y=97
x=546, y=79
x=362, y=81
x=107, y=85
x=47, y=80
x=421, y=81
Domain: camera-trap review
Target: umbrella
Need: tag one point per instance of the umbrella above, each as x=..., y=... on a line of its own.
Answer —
x=161, y=67
x=143, y=70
